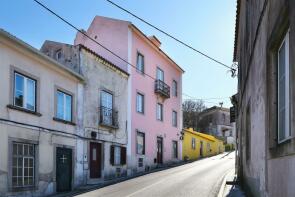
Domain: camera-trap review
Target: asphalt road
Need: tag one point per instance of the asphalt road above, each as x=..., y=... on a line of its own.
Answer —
x=201, y=178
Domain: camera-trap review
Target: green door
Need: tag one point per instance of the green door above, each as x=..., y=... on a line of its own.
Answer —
x=63, y=169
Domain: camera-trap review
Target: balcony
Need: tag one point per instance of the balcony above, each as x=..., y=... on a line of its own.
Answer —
x=162, y=89
x=108, y=117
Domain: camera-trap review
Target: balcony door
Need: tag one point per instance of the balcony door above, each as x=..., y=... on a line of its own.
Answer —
x=106, y=107
x=160, y=74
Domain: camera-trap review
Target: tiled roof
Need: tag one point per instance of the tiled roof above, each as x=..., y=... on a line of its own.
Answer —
x=103, y=59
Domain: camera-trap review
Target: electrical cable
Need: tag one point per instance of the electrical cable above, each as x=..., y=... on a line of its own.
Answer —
x=171, y=36
x=85, y=34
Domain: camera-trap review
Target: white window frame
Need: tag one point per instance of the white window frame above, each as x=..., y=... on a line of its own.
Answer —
x=28, y=157
x=287, y=131
x=25, y=93
x=64, y=106
x=160, y=74
x=174, y=118
x=160, y=112
x=174, y=88
x=194, y=143
x=138, y=109
x=140, y=68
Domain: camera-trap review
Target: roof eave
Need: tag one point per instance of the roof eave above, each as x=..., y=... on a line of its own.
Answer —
x=160, y=50
x=236, y=30
x=40, y=54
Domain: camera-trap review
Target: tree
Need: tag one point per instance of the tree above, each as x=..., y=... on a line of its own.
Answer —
x=191, y=110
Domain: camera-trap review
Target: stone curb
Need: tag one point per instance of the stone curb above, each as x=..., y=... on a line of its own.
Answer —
x=223, y=185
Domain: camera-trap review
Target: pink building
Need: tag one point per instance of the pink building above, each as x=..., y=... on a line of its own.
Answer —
x=154, y=104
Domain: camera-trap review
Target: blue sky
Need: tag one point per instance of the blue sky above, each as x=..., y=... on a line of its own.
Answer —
x=206, y=25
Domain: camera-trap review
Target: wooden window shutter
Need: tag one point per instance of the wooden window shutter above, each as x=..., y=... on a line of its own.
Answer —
x=112, y=155
x=123, y=155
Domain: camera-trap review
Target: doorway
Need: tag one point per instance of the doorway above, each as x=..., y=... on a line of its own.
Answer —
x=63, y=169
x=159, y=150
x=95, y=160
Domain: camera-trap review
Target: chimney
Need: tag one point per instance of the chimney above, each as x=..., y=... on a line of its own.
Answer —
x=155, y=40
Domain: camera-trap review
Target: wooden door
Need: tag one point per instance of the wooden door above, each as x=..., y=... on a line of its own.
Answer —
x=95, y=160
x=63, y=169
x=159, y=150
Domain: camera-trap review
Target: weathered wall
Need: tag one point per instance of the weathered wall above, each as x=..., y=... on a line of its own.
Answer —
x=266, y=170
x=102, y=77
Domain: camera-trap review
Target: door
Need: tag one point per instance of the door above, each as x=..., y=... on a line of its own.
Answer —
x=201, y=148
x=63, y=169
x=95, y=160
x=159, y=150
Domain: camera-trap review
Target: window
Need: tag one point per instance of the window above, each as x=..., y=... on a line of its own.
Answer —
x=23, y=165
x=24, y=92
x=159, y=111
x=174, y=118
x=160, y=74
x=175, y=149
x=140, y=63
x=106, y=105
x=283, y=91
x=140, y=146
x=118, y=155
x=117, y=160
x=208, y=147
x=140, y=103
x=174, y=88
x=193, y=143
x=64, y=106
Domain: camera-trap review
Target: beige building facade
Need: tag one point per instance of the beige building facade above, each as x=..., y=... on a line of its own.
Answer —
x=104, y=111
x=38, y=117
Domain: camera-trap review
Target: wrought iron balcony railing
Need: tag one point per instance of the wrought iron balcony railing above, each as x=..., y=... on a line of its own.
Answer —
x=162, y=88
x=108, y=117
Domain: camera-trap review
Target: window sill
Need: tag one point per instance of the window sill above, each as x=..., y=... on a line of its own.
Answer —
x=23, y=189
x=108, y=125
x=140, y=72
x=23, y=110
x=140, y=155
x=285, y=141
x=64, y=121
x=141, y=113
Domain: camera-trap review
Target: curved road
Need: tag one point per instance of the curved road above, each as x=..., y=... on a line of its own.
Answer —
x=201, y=178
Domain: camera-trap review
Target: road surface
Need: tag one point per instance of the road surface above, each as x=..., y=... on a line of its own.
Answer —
x=201, y=178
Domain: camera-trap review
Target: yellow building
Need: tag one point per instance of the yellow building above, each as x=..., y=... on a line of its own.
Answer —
x=196, y=145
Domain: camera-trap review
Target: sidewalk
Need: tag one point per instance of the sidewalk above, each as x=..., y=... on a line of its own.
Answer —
x=230, y=187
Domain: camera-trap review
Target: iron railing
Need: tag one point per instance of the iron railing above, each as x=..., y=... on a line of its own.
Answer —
x=162, y=88
x=108, y=117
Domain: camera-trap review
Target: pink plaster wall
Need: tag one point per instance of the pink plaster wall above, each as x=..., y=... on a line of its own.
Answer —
x=148, y=122
x=110, y=33
x=114, y=35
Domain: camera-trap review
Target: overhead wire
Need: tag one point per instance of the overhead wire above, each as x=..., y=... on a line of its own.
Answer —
x=85, y=34
x=233, y=70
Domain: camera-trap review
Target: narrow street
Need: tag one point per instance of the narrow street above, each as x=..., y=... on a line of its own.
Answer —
x=201, y=178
